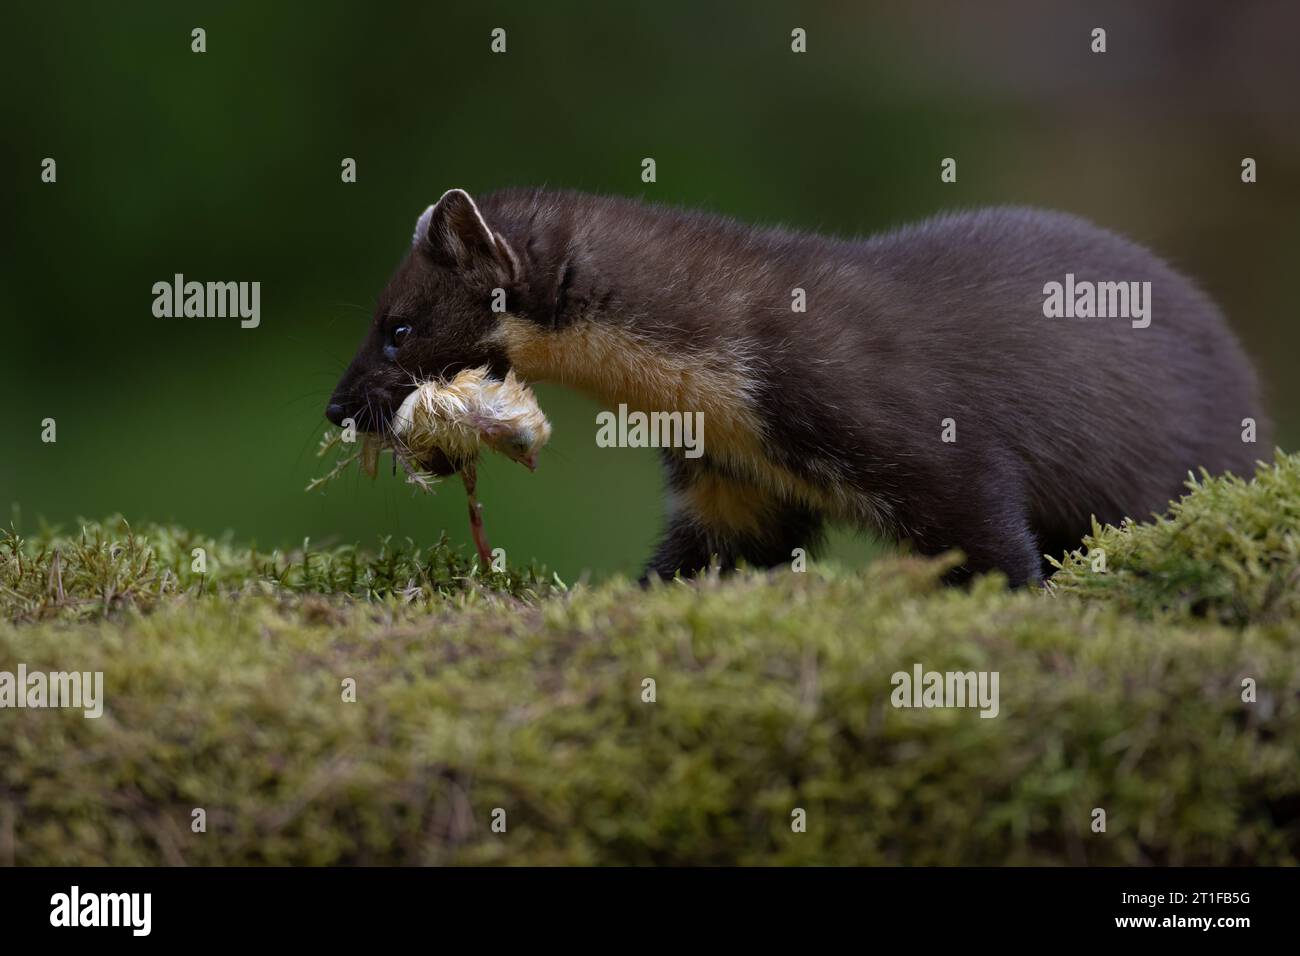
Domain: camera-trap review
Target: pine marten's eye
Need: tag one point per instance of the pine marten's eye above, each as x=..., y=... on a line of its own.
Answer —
x=396, y=335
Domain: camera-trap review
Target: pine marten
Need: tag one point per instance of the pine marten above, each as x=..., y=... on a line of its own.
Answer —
x=957, y=383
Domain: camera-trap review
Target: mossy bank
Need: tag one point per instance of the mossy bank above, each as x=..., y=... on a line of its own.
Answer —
x=1164, y=691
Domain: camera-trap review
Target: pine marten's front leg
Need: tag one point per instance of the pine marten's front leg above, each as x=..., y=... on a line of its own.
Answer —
x=684, y=547
x=725, y=518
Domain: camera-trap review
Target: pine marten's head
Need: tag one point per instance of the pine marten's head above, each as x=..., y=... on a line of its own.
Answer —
x=435, y=316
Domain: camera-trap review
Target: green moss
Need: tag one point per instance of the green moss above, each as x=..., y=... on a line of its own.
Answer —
x=1229, y=551
x=109, y=566
x=1119, y=691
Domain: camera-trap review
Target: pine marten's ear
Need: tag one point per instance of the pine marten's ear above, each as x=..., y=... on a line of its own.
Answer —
x=455, y=233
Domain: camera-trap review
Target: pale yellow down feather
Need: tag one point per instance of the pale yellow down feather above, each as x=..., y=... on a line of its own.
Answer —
x=454, y=417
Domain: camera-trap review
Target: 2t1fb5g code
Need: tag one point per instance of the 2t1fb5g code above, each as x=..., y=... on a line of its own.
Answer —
x=1195, y=897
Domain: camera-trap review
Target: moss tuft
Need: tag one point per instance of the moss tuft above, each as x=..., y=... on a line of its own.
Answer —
x=1228, y=551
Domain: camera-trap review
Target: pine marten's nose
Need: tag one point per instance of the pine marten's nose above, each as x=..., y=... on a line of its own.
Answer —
x=371, y=414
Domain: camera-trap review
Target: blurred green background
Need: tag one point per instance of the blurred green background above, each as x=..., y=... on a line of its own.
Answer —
x=225, y=166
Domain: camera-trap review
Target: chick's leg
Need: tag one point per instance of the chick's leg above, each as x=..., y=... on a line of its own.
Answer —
x=469, y=475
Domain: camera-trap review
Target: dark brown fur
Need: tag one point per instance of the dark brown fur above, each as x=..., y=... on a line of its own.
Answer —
x=1057, y=419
